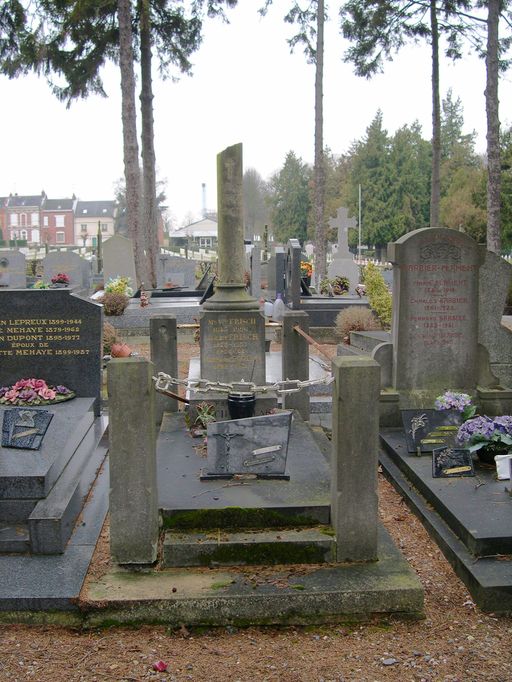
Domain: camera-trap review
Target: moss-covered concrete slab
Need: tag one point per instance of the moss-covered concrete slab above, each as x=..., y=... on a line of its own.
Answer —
x=272, y=595
x=270, y=547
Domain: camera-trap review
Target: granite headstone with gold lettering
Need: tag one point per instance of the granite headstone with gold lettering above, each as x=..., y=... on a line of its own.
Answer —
x=53, y=335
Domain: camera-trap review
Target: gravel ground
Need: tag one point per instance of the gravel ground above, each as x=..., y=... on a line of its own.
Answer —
x=455, y=642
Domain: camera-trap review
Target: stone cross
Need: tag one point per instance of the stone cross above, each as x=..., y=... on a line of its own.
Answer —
x=342, y=222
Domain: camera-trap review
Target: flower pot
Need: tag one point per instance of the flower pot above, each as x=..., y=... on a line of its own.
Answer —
x=487, y=454
x=241, y=405
x=120, y=350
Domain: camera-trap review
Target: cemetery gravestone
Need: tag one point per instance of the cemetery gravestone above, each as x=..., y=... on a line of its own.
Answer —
x=181, y=272
x=435, y=310
x=78, y=269
x=52, y=335
x=232, y=328
x=343, y=263
x=118, y=259
x=292, y=274
x=276, y=272
x=13, y=273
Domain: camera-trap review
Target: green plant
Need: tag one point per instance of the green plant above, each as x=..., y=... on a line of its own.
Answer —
x=337, y=285
x=205, y=415
x=355, y=319
x=379, y=296
x=40, y=284
x=114, y=303
x=109, y=337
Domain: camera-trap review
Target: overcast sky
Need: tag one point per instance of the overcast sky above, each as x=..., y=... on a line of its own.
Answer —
x=246, y=87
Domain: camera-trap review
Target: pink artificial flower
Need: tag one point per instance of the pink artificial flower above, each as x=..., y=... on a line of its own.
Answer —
x=11, y=395
x=47, y=393
x=24, y=383
x=39, y=383
x=160, y=666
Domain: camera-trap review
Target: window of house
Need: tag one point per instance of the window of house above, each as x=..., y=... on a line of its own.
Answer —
x=60, y=237
x=13, y=220
x=104, y=227
x=205, y=241
x=23, y=234
x=35, y=219
x=59, y=220
x=83, y=227
x=45, y=221
x=23, y=218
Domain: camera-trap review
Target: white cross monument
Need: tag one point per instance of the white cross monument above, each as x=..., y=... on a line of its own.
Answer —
x=343, y=262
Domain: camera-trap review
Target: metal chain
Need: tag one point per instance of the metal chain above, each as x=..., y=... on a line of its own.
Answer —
x=163, y=382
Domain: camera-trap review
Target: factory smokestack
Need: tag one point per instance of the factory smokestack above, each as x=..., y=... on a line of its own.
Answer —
x=203, y=187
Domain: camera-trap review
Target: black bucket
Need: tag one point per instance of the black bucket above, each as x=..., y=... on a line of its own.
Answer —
x=241, y=405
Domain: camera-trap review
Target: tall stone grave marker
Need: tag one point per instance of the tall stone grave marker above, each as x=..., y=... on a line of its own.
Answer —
x=435, y=310
x=118, y=259
x=292, y=274
x=276, y=272
x=13, y=273
x=78, y=269
x=53, y=335
x=232, y=328
x=343, y=262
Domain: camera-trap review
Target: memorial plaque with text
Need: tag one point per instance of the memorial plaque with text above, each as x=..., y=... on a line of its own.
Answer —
x=426, y=430
x=452, y=463
x=435, y=309
x=233, y=346
x=51, y=335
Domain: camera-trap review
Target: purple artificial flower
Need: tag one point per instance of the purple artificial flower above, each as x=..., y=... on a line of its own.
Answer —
x=453, y=401
x=27, y=395
x=62, y=390
x=481, y=428
x=3, y=390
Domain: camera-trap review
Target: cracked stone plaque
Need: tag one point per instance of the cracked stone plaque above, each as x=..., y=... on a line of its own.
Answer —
x=25, y=428
x=256, y=445
x=429, y=429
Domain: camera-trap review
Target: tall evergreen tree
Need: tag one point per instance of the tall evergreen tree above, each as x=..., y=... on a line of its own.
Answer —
x=289, y=199
x=309, y=17
x=380, y=27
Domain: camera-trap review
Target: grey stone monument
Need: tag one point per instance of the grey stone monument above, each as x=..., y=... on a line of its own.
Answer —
x=343, y=262
x=232, y=327
x=292, y=274
x=276, y=272
x=78, y=269
x=119, y=260
x=13, y=272
x=181, y=272
x=435, y=310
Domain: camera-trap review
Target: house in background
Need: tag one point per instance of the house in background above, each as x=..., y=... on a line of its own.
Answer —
x=24, y=217
x=201, y=234
x=91, y=215
x=3, y=220
x=58, y=222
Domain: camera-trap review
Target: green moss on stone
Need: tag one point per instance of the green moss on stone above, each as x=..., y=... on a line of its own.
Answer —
x=268, y=553
x=235, y=518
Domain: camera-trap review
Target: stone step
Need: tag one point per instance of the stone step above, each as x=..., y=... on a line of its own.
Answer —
x=268, y=547
x=14, y=537
x=52, y=521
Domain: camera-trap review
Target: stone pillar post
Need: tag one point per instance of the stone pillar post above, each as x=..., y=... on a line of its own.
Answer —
x=295, y=360
x=230, y=289
x=164, y=355
x=132, y=454
x=355, y=423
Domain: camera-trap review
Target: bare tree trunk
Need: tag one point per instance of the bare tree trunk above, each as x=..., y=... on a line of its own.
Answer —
x=435, y=191
x=493, y=130
x=130, y=146
x=319, y=186
x=149, y=210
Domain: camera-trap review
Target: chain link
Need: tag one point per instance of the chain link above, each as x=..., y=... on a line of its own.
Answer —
x=163, y=382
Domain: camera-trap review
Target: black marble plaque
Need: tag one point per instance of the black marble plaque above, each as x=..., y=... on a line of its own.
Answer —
x=429, y=429
x=52, y=335
x=450, y=462
x=24, y=428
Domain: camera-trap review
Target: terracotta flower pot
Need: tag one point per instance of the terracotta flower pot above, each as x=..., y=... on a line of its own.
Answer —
x=120, y=350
